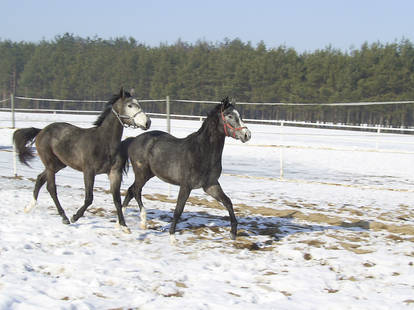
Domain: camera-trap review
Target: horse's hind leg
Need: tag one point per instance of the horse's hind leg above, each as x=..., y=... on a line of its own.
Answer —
x=51, y=187
x=142, y=175
x=143, y=212
x=40, y=181
x=129, y=196
x=137, y=191
x=217, y=193
x=89, y=180
x=131, y=193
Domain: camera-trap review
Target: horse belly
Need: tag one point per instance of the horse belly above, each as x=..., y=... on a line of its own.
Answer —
x=169, y=175
x=168, y=171
x=168, y=180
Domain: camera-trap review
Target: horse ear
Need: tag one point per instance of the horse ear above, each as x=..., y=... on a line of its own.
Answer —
x=122, y=93
x=132, y=92
x=225, y=102
x=233, y=102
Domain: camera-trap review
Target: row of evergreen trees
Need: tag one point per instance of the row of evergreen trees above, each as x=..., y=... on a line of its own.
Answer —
x=71, y=67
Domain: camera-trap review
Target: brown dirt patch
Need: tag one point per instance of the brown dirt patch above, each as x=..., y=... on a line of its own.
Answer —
x=314, y=217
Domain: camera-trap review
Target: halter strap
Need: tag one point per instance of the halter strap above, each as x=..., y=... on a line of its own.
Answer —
x=120, y=117
x=227, y=125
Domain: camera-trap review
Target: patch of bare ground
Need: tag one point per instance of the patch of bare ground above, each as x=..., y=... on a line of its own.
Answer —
x=331, y=291
x=351, y=242
x=396, y=224
x=360, y=237
x=314, y=217
x=172, y=291
x=313, y=242
x=352, y=211
x=98, y=211
x=354, y=247
x=16, y=177
x=244, y=239
x=287, y=294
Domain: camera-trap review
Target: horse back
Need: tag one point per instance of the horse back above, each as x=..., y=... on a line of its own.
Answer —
x=144, y=145
x=73, y=146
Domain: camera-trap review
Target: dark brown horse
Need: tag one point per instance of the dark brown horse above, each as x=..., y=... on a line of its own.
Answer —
x=90, y=150
x=191, y=162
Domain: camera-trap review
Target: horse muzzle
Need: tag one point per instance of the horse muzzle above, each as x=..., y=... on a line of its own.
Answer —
x=142, y=121
x=244, y=135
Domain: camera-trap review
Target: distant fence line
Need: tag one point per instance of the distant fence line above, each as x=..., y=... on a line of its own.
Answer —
x=279, y=123
x=377, y=129
x=168, y=113
x=59, y=100
x=215, y=102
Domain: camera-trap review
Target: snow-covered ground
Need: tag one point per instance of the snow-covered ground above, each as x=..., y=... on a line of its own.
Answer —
x=336, y=233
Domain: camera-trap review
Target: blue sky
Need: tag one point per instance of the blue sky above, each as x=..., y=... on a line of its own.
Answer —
x=303, y=25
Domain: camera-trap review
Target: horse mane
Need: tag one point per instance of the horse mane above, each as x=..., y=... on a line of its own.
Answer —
x=212, y=114
x=108, y=108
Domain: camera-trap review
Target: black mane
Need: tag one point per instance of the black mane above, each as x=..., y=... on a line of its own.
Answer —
x=108, y=108
x=212, y=115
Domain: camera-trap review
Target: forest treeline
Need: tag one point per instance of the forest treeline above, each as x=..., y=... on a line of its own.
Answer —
x=71, y=67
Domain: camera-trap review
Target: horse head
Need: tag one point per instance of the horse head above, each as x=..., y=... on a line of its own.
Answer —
x=232, y=122
x=129, y=112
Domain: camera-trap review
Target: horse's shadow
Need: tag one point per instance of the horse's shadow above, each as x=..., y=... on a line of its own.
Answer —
x=205, y=225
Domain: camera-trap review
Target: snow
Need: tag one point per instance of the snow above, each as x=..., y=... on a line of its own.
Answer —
x=336, y=233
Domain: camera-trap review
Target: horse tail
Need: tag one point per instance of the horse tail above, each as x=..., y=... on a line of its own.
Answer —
x=124, y=153
x=23, y=140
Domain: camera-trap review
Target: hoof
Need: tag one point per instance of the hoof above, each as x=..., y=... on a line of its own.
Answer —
x=65, y=221
x=73, y=219
x=126, y=230
x=123, y=228
x=173, y=240
x=30, y=206
x=233, y=236
x=143, y=217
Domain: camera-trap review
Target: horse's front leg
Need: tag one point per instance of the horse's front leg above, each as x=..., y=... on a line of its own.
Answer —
x=89, y=179
x=181, y=200
x=115, y=179
x=217, y=193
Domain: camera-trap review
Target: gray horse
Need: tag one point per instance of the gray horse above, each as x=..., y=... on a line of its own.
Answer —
x=191, y=162
x=92, y=150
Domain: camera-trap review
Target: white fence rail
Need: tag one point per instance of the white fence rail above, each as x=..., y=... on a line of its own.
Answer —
x=372, y=139
x=167, y=115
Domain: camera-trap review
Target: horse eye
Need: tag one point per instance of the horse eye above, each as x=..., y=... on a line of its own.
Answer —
x=129, y=105
x=230, y=116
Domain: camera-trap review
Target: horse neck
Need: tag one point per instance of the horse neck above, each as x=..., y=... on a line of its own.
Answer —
x=211, y=139
x=111, y=130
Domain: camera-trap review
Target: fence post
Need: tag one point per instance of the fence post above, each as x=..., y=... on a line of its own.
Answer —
x=12, y=110
x=14, y=161
x=13, y=120
x=377, y=138
x=167, y=101
x=281, y=151
x=168, y=114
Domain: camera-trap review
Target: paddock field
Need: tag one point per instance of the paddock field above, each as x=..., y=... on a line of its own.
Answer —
x=336, y=232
